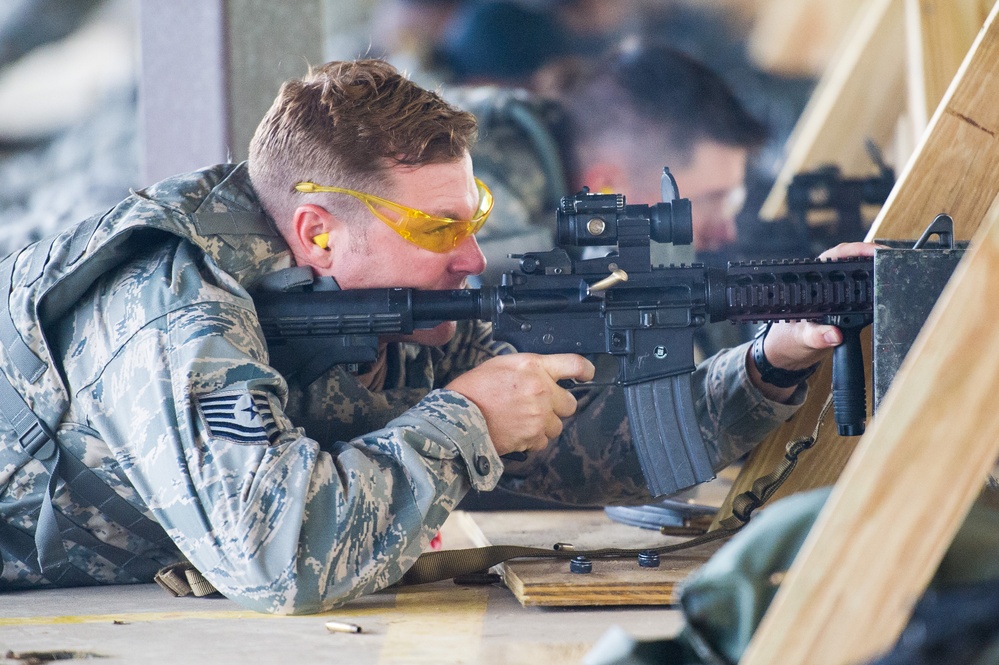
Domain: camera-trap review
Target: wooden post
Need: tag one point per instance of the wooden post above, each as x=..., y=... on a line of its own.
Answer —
x=906, y=490
x=909, y=485
x=798, y=37
x=954, y=167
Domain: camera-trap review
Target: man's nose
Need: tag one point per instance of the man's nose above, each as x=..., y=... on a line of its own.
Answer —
x=468, y=258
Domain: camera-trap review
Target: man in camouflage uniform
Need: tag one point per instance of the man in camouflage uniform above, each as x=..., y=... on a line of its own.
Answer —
x=152, y=428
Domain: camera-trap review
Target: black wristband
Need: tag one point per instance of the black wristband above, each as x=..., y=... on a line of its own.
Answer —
x=775, y=376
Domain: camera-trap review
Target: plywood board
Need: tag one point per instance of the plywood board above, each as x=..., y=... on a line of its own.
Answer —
x=547, y=582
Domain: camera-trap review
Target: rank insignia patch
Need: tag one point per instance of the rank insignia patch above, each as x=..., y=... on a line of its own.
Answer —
x=241, y=416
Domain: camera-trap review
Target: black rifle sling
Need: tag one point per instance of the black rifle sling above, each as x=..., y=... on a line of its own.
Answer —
x=446, y=564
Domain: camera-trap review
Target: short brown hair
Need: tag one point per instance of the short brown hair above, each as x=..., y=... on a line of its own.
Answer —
x=344, y=124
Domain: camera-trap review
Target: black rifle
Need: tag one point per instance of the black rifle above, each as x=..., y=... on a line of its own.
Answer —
x=619, y=304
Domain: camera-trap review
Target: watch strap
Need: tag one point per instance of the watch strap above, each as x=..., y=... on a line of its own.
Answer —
x=775, y=376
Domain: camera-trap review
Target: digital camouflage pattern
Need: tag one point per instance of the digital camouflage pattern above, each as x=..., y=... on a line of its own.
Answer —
x=288, y=498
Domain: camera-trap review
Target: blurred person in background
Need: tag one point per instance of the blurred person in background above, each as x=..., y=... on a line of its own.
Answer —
x=524, y=44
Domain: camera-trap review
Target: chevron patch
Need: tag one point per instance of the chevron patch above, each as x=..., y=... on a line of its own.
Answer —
x=242, y=416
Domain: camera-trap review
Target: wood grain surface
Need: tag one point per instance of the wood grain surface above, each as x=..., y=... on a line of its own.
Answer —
x=548, y=582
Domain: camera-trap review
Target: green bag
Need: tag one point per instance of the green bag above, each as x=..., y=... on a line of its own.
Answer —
x=724, y=601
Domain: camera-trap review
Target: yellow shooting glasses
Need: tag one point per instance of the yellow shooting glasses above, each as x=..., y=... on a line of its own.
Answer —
x=438, y=234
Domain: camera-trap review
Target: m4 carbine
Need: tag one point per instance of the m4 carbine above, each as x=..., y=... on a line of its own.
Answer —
x=617, y=304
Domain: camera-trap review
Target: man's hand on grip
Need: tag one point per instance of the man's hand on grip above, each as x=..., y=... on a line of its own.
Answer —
x=520, y=399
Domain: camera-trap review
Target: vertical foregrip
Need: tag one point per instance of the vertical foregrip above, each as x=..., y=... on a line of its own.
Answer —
x=849, y=387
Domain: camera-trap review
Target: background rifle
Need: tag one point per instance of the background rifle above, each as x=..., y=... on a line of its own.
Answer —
x=618, y=304
x=824, y=208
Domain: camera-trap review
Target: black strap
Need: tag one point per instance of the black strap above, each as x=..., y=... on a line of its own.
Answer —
x=776, y=376
x=764, y=487
x=445, y=564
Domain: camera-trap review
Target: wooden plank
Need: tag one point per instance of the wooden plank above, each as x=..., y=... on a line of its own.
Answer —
x=843, y=112
x=613, y=581
x=799, y=37
x=939, y=34
x=953, y=170
x=906, y=490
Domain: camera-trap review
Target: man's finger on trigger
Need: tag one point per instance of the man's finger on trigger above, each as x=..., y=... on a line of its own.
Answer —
x=586, y=370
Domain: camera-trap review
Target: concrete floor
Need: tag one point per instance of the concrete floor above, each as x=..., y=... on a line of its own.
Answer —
x=438, y=623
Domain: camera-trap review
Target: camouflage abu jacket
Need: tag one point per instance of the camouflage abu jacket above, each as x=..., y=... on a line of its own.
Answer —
x=287, y=498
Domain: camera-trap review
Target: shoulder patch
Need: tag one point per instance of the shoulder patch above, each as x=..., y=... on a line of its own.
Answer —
x=240, y=416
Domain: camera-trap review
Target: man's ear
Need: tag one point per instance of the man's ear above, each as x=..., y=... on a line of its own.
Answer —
x=312, y=227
